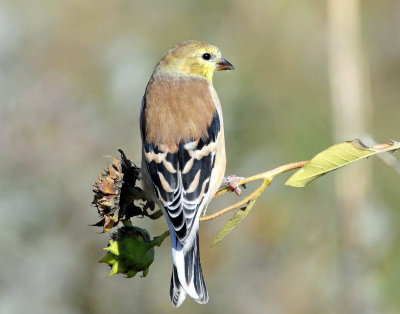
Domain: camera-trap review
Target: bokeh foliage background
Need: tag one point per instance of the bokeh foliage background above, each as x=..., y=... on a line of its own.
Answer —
x=72, y=74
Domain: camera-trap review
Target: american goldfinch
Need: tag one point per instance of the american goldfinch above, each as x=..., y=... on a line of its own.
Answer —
x=183, y=155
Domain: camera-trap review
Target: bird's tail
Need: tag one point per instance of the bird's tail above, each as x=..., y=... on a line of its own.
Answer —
x=187, y=276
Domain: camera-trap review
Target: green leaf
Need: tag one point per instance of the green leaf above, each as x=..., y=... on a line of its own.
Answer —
x=113, y=247
x=241, y=213
x=335, y=157
x=109, y=258
x=158, y=240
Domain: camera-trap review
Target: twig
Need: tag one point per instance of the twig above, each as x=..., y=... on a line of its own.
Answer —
x=269, y=175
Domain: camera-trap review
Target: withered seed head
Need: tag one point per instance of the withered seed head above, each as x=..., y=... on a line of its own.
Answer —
x=107, y=195
x=115, y=192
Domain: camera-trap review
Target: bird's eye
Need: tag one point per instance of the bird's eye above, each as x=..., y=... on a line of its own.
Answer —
x=206, y=56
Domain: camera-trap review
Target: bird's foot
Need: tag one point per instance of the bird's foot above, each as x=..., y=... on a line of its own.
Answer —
x=233, y=181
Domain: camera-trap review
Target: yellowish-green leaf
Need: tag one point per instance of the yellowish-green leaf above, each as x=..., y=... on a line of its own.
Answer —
x=109, y=258
x=335, y=157
x=113, y=247
x=241, y=213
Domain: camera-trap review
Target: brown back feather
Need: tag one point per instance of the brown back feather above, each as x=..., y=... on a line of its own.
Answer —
x=177, y=109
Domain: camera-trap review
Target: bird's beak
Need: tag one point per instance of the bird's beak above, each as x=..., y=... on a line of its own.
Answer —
x=223, y=64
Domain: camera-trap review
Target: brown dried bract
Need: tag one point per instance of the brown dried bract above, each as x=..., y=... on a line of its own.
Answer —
x=107, y=193
x=116, y=191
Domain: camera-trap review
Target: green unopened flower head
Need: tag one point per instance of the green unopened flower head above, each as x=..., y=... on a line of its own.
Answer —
x=130, y=251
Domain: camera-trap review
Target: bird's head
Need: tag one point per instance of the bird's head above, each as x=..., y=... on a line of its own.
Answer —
x=193, y=58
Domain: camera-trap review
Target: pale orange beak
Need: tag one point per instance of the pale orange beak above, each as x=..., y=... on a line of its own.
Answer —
x=223, y=64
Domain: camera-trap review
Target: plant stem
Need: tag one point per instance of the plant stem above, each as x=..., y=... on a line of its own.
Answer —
x=269, y=175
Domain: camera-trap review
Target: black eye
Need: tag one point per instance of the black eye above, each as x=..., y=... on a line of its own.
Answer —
x=206, y=56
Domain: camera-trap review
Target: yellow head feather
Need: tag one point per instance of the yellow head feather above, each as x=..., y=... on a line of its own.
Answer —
x=192, y=58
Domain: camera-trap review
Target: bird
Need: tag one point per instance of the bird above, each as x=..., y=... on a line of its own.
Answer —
x=183, y=153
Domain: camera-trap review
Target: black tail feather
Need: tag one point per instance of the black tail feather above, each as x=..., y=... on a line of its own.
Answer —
x=194, y=284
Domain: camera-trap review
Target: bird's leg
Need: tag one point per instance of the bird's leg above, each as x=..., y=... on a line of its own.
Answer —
x=233, y=181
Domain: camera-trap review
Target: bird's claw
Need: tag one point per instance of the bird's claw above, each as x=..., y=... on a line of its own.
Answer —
x=233, y=181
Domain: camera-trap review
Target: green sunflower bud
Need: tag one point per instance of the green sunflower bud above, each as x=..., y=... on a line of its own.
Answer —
x=130, y=251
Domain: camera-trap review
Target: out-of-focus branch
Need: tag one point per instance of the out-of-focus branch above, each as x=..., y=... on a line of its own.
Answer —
x=351, y=108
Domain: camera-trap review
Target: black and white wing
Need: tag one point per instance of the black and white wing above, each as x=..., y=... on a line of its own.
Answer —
x=181, y=179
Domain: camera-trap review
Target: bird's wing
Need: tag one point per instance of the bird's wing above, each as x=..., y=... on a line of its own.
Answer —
x=181, y=177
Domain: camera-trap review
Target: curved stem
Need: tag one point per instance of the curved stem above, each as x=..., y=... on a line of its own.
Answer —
x=234, y=206
x=269, y=175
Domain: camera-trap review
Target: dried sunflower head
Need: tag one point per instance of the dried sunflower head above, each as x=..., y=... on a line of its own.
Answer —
x=115, y=193
x=107, y=194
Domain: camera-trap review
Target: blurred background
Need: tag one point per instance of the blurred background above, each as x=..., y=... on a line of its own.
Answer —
x=308, y=74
